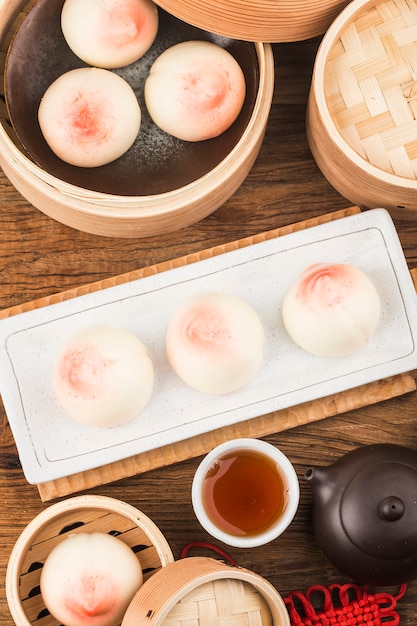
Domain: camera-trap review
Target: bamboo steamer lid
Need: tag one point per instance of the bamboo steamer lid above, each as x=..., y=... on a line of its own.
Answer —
x=258, y=20
x=116, y=215
x=206, y=592
x=362, y=109
x=77, y=514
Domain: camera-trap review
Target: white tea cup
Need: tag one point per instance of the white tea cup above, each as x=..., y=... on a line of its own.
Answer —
x=245, y=492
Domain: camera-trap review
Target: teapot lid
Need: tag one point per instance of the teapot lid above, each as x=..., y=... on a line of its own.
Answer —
x=379, y=510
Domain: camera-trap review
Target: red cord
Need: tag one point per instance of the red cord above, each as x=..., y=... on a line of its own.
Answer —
x=207, y=546
x=363, y=609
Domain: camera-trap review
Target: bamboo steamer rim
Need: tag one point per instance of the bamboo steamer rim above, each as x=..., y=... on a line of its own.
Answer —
x=159, y=595
x=158, y=204
x=344, y=19
x=54, y=511
x=258, y=20
x=136, y=216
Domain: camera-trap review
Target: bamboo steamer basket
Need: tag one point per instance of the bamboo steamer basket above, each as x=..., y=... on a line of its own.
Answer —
x=206, y=592
x=115, y=215
x=78, y=514
x=259, y=20
x=362, y=109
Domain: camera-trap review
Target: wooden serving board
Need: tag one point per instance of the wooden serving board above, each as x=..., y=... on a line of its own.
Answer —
x=257, y=427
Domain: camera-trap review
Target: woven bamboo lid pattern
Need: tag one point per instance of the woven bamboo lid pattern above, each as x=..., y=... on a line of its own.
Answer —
x=221, y=603
x=370, y=85
x=361, y=115
x=202, y=591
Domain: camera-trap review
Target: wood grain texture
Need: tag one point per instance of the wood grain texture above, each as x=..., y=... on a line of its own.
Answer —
x=39, y=258
x=178, y=262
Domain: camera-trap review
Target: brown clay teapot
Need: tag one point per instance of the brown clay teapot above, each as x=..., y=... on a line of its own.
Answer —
x=365, y=513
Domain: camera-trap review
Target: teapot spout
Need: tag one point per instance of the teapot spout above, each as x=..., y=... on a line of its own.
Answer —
x=315, y=475
x=321, y=482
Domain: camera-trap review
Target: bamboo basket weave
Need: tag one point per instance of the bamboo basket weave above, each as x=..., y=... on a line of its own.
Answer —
x=133, y=216
x=362, y=110
x=200, y=591
x=77, y=514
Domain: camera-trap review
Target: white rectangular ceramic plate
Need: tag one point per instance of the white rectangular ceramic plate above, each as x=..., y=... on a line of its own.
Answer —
x=52, y=445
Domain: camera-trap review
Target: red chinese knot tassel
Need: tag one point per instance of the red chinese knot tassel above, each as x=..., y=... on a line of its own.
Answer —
x=343, y=605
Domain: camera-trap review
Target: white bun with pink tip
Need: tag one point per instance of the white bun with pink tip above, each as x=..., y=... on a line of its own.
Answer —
x=215, y=343
x=89, y=117
x=103, y=376
x=90, y=579
x=332, y=310
x=195, y=90
x=109, y=33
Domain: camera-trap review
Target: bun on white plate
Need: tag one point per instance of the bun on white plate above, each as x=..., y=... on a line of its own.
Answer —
x=103, y=376
x=215, y=343
x=332, y=309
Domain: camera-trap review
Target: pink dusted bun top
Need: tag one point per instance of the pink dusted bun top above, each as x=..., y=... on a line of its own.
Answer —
x=89, y=579
x=109, y=33
x=215, y=343
x=195, y=90
x=331, y=310
x=89, y=117
x=103, y=376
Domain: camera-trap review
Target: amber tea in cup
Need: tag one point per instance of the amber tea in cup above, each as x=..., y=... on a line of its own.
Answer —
x=245, y=492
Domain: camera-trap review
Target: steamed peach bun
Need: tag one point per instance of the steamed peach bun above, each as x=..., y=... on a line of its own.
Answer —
x=89, y=579
x=195, y=90
x=215, y=343
x=331, y=310
x=103, y=376
x=109, y=33
x=89, y=117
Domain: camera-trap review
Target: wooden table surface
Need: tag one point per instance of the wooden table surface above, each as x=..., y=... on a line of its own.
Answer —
x=39, y=256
